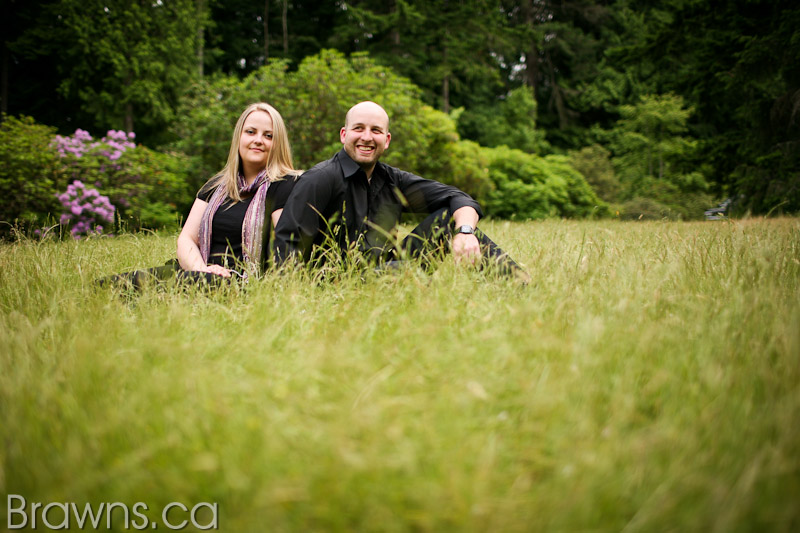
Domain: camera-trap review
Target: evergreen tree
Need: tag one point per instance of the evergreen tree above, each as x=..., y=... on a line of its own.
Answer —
x=128, y=62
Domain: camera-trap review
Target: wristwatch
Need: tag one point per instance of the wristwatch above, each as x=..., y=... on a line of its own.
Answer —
x=469, y=230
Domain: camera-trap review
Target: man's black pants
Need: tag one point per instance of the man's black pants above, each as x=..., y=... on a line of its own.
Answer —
x=431, y=238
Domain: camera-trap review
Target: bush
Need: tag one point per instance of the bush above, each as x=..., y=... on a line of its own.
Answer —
x=31, y=174
x=594, y=162
x=85, y=209
x=148, y=188
x=531, y=187
x=511, y=122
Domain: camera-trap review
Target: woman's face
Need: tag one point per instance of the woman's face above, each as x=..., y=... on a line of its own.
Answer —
x=255, y=142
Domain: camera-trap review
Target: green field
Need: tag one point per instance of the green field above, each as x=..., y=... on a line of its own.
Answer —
x=647, y=379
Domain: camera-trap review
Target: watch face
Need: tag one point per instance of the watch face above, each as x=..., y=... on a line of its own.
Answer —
x=465, y=229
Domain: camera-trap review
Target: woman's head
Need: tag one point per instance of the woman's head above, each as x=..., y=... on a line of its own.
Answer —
x=278, y=152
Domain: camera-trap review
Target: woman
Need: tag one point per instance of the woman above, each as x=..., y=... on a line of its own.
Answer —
x=232, y=216
x=231, y=221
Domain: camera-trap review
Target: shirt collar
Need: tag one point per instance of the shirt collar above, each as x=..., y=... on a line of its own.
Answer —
x=349, y=167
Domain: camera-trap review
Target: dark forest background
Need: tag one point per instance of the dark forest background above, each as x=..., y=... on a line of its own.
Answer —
x=663, y=107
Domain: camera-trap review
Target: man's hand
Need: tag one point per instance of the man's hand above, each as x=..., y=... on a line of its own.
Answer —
x=466, y=248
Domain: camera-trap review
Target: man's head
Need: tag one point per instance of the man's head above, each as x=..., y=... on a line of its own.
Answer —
x=365, y=134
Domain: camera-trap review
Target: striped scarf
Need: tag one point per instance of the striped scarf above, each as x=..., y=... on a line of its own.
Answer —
x=254, y=218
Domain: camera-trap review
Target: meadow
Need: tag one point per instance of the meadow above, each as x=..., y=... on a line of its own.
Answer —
x=647, y=379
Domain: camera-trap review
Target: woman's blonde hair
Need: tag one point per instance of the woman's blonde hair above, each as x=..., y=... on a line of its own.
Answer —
x=279, y=160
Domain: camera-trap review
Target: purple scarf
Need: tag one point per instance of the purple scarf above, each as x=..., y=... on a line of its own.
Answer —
x=254, y=218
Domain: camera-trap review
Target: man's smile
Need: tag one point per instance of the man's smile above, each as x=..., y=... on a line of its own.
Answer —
x=364, y=148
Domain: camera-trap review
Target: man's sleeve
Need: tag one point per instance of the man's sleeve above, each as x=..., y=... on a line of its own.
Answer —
x=426, y=196
x=302, y=215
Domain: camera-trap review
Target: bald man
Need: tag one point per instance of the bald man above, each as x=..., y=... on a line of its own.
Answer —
x=354, y=198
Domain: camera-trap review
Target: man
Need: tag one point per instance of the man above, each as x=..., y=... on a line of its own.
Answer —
x=354, y=198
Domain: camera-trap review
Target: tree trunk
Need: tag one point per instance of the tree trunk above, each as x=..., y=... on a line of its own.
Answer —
x=129, y=117
x=126, y=94
x=266, y=32
x=285, y=28
x=445, y=63
x=4, y=83
x=558, y=95
x=446, y=94
x=6, y=14
x=394, y=33
x=201, y=6
x=532, y=52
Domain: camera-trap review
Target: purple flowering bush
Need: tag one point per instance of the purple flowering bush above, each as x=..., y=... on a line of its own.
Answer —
x=85, y=209
x=135, y=187
x=112, y=146
x=147, y=188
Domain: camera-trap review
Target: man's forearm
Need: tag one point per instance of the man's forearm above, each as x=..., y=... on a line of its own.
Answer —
x=465, y=216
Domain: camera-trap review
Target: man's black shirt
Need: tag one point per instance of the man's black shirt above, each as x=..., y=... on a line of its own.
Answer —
x=336, y=195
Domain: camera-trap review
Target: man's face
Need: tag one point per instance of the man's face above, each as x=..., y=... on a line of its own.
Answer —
x=366, y=135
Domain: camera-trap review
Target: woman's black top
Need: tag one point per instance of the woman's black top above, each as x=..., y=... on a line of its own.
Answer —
x=226, y=226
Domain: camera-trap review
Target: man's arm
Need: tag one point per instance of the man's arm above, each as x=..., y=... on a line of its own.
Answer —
x=465, y=245
x=428, y=196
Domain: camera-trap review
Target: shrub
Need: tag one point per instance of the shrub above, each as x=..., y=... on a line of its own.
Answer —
x=31, y=174
x=148, y=188
x=594, y=162
x=510, y=122
x=531, y=187
x=84, y=209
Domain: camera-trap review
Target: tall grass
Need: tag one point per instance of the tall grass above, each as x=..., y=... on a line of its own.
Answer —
x=648, y=378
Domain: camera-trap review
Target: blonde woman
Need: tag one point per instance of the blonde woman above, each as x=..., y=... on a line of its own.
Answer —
x=232, y=219
x=233, y=215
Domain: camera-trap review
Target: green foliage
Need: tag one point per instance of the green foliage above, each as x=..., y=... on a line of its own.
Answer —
x=129, y=61
x=148, y=188
x=647, y=139
x=654, y=161
x=511, y=122
x=647, y=379
x=31, y=173
x=594, y=162
x=738, y=69
x=314, y=99
x=530, y=187
x=313, y=102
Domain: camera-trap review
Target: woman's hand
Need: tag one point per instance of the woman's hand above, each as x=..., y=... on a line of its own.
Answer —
x=218, y=270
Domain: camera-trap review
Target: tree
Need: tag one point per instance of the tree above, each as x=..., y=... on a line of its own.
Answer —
x=738, y=68
x=446, y=47
x=511, y=122
x=654, y=159
x=128, y=62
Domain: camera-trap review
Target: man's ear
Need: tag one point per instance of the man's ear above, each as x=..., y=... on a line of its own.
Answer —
x=388, y=138
x=342, y=134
